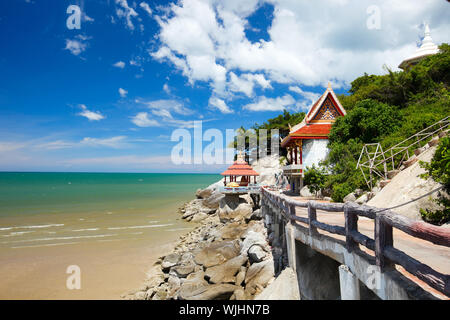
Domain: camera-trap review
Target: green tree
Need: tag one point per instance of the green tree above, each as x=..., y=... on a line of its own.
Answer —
x=439, y=169
x=315, y=179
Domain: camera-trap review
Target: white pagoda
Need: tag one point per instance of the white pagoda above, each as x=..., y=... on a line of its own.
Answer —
x=427, y=48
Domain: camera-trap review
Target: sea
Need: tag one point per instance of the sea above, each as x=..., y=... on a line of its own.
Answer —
x=111, y=223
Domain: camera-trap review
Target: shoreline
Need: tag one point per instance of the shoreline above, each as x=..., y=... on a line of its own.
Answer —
x=226, y=256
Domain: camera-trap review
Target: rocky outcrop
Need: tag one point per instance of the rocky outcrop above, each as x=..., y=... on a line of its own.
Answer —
x=226, y=257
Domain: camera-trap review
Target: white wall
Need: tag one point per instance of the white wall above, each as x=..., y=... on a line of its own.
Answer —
x=314, y=151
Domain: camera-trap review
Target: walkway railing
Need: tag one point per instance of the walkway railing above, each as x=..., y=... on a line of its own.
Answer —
x=385, y=254
x=374, y=159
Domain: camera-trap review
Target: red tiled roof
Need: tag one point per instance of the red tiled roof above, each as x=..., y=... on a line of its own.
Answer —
x=240, y=168
x=313, y=130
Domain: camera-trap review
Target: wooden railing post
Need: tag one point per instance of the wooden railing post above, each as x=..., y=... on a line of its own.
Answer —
x=383, y=238
x=312, y=216
x=351, y=224
x=292, y=213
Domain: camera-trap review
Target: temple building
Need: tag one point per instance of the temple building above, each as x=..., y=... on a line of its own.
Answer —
x=427, y=48
x=307, y=141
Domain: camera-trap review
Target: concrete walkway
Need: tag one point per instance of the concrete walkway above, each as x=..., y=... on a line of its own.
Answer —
x=435, y=256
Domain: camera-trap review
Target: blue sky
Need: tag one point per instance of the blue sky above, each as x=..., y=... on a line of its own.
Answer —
x=107, y=96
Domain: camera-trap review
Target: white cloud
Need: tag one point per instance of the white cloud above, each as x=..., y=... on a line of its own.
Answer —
x=142, y=120
x=123, y=93
x=126, y=12
x=166, y=104
x=146, y=8
x=113, y=142
x=219, y=104
x=166, y=88
x=310, y=42
x=271, y=104
x=91, y=115
x=119, y=64
x=308, y=98
x=75, y=46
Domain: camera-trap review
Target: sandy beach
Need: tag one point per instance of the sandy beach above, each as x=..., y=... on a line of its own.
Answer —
x=108, y=269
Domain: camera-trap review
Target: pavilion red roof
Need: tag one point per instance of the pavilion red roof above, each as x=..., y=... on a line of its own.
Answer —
x=240, y=168
x=313, y=130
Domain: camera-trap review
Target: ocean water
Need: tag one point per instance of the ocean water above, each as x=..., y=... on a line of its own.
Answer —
x=57, y=209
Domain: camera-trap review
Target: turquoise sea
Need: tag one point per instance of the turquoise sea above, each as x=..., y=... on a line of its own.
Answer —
x=113, y=225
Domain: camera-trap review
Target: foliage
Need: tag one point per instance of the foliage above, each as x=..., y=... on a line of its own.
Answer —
x=315, y=178
x=439, y=169
x=387, y=109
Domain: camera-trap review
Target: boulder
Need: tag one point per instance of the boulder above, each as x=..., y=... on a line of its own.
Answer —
x=240, y=277
x=410, y=161
x=232, y=231
x=226, y=272
x=255, y=215
x=304, y=192
x=252, y=239
x=214, y=199
x=362, y=199
x=233, y=207
x=170, y=260
x=140, y=295
x=199, y=217
x=203, y=193
x=238, y=294
x=182, y=270
x=194, y=282
x=217, y=253
x=258, y=276
x=256, y=254
x=350, y=197
x=285, y=287
x=433, y=141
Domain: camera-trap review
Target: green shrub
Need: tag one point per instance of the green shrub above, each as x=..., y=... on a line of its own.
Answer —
x=340, y=191
x=315, y=178
x=439, y=170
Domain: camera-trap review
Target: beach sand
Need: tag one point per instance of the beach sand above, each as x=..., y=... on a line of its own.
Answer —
x=108, y=269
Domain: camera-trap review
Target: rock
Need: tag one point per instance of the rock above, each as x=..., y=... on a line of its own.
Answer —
x=227, y=271
x=350, y=197
x=362, y=199
x=199, y=217
x=358, y=192
x=258, y=275
x=442, y=134
x=214, y=199
x=149, y=293
x=417, y=152
x=233, y=207
x=211, y=292
x=238, y=294
x=217, y=253
x=285, y=287
x=384, y=183
x=174, y=283
x=304, y=192
x=160, y=293
x=255, y=215
x=140, y=295
x=193, y=282
x=203, y=193
x=170, y=260
x=232, y=231
x=256, y=254
x=410, y=161
x=182, y=270
x=433, y=141
x=253, y=238
x=327, y=199
x=240, y=277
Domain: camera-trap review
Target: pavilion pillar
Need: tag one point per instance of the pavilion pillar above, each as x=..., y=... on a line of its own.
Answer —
x=296, y=155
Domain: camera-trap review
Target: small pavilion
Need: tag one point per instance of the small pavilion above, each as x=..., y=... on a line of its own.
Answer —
x=307, y=142
x=240, y=168
x=427, y=48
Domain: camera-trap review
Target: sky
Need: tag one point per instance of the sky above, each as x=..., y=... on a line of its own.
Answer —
x=107, y=96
